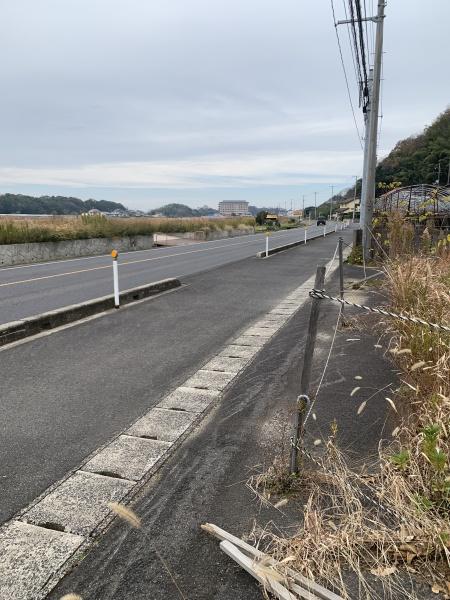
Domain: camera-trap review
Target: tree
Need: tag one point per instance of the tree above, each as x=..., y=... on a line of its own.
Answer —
x=261, y=217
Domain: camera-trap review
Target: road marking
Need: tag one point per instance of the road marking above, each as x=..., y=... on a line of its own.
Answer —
x=62, y=261
x=130, y=262
x=78, y=503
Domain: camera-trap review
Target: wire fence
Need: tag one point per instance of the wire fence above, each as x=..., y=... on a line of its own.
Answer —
x=321, y=295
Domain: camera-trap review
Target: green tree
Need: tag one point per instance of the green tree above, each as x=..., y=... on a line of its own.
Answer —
x=261, y=217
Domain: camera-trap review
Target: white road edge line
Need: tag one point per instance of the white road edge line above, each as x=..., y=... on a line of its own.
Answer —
x=76, y=506
x=66, y=260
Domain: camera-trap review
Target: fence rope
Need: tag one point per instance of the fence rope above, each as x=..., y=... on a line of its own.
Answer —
x=321, y=295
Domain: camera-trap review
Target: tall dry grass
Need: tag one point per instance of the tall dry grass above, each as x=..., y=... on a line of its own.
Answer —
x=379, y=530
x=56, y=229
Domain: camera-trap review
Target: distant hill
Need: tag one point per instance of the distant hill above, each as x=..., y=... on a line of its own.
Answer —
x=53, y=205
x=182, y=210
x=413, y=160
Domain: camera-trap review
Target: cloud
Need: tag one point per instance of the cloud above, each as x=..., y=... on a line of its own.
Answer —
x=203, y=172
x=204, y=94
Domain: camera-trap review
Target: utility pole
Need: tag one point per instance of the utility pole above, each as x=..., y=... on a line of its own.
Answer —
x=354, y=199
x=315, y=205
x=362, y=212
x=331, y=202
x=448, y=174
x=368, y=191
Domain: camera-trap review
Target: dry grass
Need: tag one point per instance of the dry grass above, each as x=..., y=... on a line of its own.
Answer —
x=365, y=528
x=381, y=529
x=91, y=226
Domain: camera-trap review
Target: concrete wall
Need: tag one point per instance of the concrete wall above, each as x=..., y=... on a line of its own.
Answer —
x=18, y=254
x=191, y=237
x=216, y=234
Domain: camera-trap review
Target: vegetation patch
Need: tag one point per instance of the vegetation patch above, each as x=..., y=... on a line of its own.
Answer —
x=56, y=229
x=373, y=531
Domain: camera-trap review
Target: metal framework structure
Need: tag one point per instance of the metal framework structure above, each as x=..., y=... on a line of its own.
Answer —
x=416, y=200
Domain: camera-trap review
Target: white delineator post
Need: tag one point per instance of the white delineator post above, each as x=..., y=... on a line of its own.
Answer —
x=324, y=230
x=267, y=244
x=305, y=234
x=115, y=255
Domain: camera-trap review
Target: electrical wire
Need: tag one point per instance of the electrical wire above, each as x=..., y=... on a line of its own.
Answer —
x=356, y=47
x=381, y=100
x=362, y=51
x=367, y=35
x=352, y=50
x=362, y=42
x=345, y=74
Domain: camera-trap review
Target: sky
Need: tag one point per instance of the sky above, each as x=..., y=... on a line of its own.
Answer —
x=148, y=102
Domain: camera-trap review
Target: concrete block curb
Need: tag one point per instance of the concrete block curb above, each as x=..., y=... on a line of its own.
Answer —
x=17, y=330
x=75, y=509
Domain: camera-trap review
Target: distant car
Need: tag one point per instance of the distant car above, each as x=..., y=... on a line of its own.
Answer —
x=321, y=221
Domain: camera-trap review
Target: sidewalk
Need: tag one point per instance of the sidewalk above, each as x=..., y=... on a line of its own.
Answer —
x=205, y=480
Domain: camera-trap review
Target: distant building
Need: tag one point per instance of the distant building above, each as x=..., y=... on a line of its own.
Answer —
x=231, y=208
x=348, y=208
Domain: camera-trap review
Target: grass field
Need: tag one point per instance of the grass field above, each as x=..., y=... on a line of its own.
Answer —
x=54, y=229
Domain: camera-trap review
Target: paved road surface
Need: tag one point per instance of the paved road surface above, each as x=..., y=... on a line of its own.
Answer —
x=33, y=289
x=66, y=394
x=205, y=480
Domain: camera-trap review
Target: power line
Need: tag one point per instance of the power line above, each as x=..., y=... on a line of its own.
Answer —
x=381, y=99
x=352, y=51
x=367, y=35
x=345, y=75
x=362, y=50
x=362, y=43
x=356, y=47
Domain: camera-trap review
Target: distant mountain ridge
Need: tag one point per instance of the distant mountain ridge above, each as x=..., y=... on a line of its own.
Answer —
x=413, y=160
x=53, y=205
x=182, y=210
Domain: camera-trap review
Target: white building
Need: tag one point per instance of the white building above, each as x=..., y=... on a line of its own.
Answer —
x=231, y=208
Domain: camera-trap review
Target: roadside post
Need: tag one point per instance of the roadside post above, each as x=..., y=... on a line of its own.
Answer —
x=267, y=243
x=335, y=228
x=341, y=269
x=324, y=230
x=305, y=234
x=303, y=399
x=115, y=255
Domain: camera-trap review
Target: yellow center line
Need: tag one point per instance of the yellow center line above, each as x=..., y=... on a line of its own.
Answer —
x=130, y=262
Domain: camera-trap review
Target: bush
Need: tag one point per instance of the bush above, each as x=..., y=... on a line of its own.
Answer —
x=97, y=226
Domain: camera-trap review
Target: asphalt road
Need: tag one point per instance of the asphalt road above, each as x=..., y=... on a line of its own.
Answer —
x=205, y=480
x=65, y=394
x=28, y=290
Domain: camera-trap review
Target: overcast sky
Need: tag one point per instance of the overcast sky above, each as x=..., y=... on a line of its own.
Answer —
x=194, y=101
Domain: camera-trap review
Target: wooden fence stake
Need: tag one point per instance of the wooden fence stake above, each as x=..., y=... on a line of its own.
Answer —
x=307, y=368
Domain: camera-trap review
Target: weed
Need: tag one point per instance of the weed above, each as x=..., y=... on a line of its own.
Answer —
x=57, y=229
